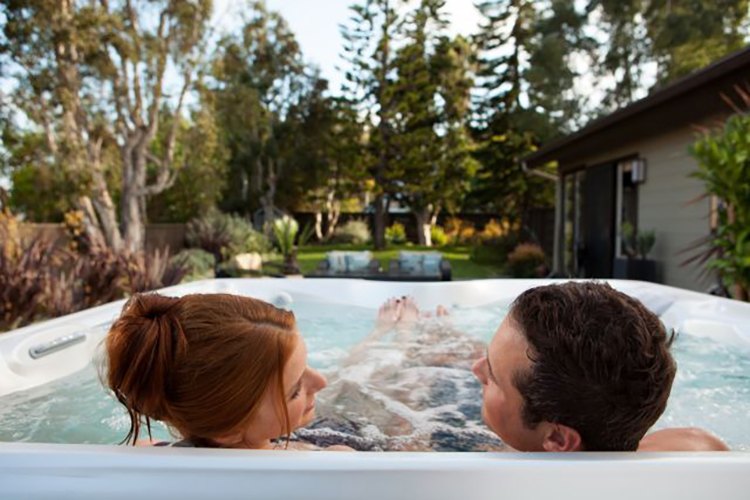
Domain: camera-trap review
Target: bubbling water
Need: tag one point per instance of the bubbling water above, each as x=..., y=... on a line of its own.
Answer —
x=408, y=390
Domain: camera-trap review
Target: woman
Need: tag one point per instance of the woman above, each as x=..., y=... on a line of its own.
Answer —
x=220, y=370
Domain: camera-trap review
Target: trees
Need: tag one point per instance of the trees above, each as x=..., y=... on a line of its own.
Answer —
x=200, y=160
x=369, y=49
x=259, y=78
x=92, y=76
x=508, y=124
x=431, y=94
x=679, y=37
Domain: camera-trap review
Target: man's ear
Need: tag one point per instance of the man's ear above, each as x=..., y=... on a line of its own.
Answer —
x=559, y=437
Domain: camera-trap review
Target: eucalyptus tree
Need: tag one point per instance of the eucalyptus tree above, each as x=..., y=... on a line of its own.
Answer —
x=90, y=75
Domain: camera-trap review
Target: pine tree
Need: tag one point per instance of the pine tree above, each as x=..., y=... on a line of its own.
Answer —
x=369, y=51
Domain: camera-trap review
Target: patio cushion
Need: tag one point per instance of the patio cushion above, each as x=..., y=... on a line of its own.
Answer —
x=357, y=261
x=431, y=263
x=420, y=262
x=410, y=261
x=336, y=261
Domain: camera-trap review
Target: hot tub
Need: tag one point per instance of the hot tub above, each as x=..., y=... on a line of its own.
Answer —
x=39, y=362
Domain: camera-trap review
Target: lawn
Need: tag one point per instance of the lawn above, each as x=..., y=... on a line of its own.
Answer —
x=459, y=256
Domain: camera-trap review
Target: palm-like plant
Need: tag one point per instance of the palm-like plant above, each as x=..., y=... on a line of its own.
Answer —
x=285, y=232
x=724, y=167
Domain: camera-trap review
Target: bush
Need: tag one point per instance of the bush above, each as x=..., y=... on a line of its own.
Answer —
x=284, y=232
x=526, y=261
x=223, y=235
x=494, y=251
x=494, y=230
x=459, y=232
x=439, y=238
x=724, y=168
x=198, y=263
x=396, y=234
x=144, y=272
x=354, y=232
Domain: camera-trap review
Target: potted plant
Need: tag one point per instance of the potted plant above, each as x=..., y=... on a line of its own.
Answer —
x=636, y=265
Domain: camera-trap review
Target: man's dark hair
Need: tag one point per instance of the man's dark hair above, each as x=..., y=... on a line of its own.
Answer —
x=601, y=363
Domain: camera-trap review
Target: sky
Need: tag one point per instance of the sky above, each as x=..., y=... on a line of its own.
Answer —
x=316, y=26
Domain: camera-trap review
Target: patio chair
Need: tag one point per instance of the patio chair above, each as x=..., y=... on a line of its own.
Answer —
x=419, y=266
x=347, y=264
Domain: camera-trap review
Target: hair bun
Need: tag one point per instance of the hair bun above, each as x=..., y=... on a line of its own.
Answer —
x=150, y=305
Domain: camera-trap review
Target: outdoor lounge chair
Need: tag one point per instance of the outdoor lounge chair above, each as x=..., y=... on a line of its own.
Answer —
x=340, y=264
x=419, y=266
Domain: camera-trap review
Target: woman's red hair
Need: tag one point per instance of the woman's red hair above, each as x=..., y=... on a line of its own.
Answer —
x=199, y=363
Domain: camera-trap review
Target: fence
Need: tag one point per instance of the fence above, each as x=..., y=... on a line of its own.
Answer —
x=157, y=235
x=540, y=225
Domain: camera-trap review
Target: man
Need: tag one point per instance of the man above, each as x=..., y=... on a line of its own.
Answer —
x=581, y=366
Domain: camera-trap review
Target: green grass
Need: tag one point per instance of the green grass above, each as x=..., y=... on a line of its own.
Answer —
x=459, y=256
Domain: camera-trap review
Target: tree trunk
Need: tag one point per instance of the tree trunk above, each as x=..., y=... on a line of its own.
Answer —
x=333, y=212
x=379, y=229
x=424, y=218
x=267, y=199
x=740, y=292
x=319, y=225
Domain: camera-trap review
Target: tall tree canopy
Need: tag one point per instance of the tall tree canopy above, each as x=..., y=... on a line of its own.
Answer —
x=93, y=77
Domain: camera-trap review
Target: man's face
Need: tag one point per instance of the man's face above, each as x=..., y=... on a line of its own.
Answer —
x=502, y=404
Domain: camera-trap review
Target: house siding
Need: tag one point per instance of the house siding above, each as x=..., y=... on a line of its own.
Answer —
x=669, y=203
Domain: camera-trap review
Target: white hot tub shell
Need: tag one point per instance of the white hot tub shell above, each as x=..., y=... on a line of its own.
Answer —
x=44, y=352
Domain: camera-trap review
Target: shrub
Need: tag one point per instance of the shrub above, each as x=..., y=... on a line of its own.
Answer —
x=144, y=272
x=23, y=281
x=223, y=235
x=526, y=261
x=245, y=239
x=210, y=232
x=395, y=234
x=285, y=231
x=355, y=232
x=724, y=168
x=459, y=231
x=439, y=238
x=198, y=263
x=494, y=230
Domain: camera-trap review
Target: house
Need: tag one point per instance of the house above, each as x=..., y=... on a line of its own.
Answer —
x=634, y=166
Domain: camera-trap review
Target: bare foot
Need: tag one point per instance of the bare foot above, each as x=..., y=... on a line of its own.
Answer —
x=409, y=320
x=410, y=313
x=388, y=314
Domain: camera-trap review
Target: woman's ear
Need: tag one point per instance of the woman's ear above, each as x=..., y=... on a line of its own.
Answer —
x=559, y=437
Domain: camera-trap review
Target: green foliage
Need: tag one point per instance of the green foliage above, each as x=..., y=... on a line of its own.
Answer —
x=438, y=236
x=680, y=37
x=459, y=231
x=201, y=161
x=637, y=245
x=395, y=234
x=526, y=261
x=285, y=232
x=198, y=264
x=92, y=77
x=354, y=232
x=494, y=251
x=223, y=235
x=724, y=167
